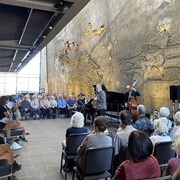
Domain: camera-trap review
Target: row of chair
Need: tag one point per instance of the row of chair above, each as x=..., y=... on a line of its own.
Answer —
x=101, y=168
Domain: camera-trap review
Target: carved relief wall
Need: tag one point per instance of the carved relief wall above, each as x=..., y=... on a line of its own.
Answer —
x=114, y=43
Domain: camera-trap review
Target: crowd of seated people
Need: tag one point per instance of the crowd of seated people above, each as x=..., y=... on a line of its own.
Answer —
x=42, y=106
x=139, y=138
x=159, y=129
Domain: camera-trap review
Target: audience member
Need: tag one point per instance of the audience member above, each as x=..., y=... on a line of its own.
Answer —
x=98, y=139
x=61, y=105
x=14, y=117
x=143, y=123
x=143, y=165
x=5, y=123
x=176, y=175
x=177, y=125
x=174, y=163
x=46, y=104
x=25, y=107
x=71, y=106
x=6, y=153
x=77, y=126
x=35, y=110
x=154, y=116
x=42, y=107
x=160, y=134
x=164, y=113
x=53, y=106
x=121, y=138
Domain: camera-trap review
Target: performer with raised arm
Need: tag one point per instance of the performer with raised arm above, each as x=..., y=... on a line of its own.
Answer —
x=131, y=99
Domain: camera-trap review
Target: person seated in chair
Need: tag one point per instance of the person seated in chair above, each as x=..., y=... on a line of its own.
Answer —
x=77, y=126
x=14, y=117
x=164, y=113
x=81, y=103
x=5, y=123
x=177, y=125
x=174, y=163
x=143, y=165
x=6, y=153
x=143, y=123
x=160, y=133
x=71, y=106
x=35, y=110
x=121, y=138
x=53, y=106
x=25, y=107
x=61, y=105
x=97, y=139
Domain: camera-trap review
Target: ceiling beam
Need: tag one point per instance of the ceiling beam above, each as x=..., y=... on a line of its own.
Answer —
x=46, y=6
x=69, y=15
x=13, y=45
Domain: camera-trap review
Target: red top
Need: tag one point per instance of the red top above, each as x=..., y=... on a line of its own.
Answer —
x=131, y=170
x=173, y=164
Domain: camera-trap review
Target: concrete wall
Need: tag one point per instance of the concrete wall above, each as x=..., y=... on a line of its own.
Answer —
x=117, y=42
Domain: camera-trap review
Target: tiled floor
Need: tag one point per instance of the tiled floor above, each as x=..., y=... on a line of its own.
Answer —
x=40, y=157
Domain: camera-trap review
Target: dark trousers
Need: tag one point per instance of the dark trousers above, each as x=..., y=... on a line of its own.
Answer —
x=100, y=112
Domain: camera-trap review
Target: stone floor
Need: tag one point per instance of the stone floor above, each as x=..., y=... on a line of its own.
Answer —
x=40, y=156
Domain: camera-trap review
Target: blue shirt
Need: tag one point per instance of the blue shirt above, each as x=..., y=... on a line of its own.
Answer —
x=61, y=103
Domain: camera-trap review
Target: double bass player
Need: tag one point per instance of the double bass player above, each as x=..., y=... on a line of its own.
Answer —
x=131, y=99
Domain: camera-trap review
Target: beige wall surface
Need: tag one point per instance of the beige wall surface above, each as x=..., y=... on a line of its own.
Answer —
x=117, y=42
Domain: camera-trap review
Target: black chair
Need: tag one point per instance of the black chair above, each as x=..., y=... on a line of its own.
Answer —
x=14, y=134
x=161, y=178
x=70, y=151
x=97, y=164
x=6, y=170
x=163, y=153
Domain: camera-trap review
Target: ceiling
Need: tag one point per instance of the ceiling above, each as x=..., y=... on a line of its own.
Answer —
x=29, y=25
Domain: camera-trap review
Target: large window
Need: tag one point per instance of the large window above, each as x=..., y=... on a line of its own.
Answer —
x=25, y=80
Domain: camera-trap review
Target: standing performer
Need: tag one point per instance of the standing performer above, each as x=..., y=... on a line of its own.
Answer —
x=100, y=100
x=131, y=92
x=131, y=100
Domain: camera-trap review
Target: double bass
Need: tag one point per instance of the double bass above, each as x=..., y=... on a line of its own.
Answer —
x=132, y=105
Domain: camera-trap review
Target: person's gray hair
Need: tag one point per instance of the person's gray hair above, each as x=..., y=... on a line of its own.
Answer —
x=99, y=87
x=164, y=112
x=77, y=120
x=160, y=126
x=141, y=109
x=177, y=116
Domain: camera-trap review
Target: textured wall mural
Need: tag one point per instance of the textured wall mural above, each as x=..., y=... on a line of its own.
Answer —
x=115, y=43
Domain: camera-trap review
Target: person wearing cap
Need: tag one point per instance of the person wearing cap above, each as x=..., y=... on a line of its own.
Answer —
x=100, y=100
x=97, y=139
x=164, y=113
